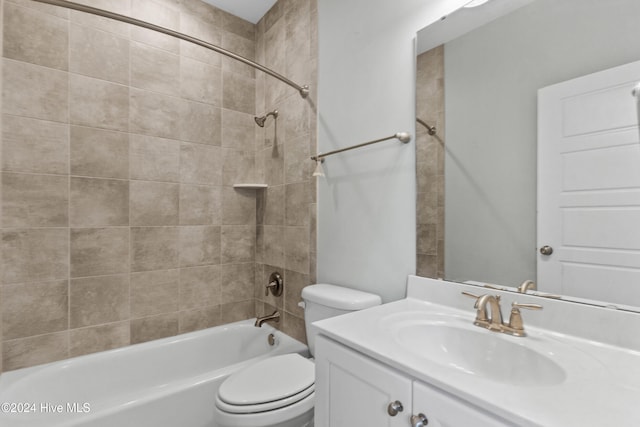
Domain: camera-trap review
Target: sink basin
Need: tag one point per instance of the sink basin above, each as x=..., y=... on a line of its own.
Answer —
x=459, y=345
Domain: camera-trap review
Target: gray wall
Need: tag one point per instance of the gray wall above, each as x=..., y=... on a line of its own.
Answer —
x=366, y=77
x=491, y=80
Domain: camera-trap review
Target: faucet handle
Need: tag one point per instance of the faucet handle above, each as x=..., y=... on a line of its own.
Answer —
x=516, y=326
x=527, y=306
x=469, y=294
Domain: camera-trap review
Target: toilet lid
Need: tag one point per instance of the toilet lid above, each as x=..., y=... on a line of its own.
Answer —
x=270, y=380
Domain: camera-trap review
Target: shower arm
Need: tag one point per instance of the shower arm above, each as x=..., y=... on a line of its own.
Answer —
x=403, y=137
x=430, y=129
x=303, y=90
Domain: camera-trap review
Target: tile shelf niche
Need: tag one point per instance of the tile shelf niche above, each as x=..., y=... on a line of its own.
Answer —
x=250, y=186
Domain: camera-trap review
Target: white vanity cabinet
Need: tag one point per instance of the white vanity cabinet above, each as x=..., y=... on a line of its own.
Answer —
x=353, y=389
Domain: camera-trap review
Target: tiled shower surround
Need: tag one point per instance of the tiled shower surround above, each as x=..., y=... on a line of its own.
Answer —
x=430, y=163
x=120, y=148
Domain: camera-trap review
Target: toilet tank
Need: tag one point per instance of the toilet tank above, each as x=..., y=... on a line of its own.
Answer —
x=322, y=301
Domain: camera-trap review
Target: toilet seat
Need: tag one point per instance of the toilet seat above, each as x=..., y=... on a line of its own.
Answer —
x=267, y=385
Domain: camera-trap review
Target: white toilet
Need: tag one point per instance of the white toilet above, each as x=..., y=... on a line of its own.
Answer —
x=279, y=391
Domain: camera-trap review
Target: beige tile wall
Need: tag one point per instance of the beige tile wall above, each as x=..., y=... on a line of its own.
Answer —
x=430, y=163
x=287, y=42
x=119, y=150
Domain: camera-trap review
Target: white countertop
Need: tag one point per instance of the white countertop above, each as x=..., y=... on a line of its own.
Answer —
x=601, y=388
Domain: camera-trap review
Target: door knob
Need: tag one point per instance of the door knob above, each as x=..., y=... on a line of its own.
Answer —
x=394, y=408
x=546, y=250
x=419, y=420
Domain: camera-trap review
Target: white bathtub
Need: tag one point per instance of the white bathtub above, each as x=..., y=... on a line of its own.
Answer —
x=170, y=382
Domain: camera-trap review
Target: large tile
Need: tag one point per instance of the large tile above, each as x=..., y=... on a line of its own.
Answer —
x=99, y=54
x=240, y=46
x=154, y=159
x=426, y=239
x=239, y=92
x=154, y=327
x=97, y=300
x=200, y=123
x=297, y=163
x=35, y=200
x=295, y=118
x=154, y=114
x=294, y=326
x=25, y=352
x=200, y=164
x=199, y=204
x=98, y=202
x=99, y=153
x=35, y=146
x=155, y=69
x=237, y=282
x=239, y=206
x=296, y=282
x=238, y=130
x=297, y=204
x=98, y=338
x=273, y=159
x=153, y=203
x=35, y=37
x=297, y=30
x=236, y=311
x=238, y=243
x=154, y=292
x=209, y=14
x=50, y=9
x=97, y=103
x=239, y=167
x=155, y=39
x=238, y=26
x=35, y=255
x=200, y=287
x=200, y=82
x=199, y=245
x=273, y=252
x=121, y=7
x=154, y=248
x=156, y=12
x=195, y=26
x=33, y=91
x=99, y=251
x=296, y=241
x=200, y=318
x=274, y=205
x=34, y=309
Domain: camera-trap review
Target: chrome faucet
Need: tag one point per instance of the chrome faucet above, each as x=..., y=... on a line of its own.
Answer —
x=515, y=326
x=275, y=316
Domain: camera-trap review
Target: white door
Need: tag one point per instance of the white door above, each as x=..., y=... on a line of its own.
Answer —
x=589, y=187
x=353, y=390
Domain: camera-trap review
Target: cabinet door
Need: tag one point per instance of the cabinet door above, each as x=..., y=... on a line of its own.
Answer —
x=443, y=410
x=353, y=390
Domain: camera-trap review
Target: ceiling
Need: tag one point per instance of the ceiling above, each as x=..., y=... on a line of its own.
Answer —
x=250, y=10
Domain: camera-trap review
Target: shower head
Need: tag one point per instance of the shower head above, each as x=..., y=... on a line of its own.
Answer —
x=260, y=120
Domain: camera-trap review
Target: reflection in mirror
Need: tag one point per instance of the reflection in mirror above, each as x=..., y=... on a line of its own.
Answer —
x=478, y=76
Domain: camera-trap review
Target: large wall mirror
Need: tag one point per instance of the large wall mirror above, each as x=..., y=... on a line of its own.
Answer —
x=479, y=71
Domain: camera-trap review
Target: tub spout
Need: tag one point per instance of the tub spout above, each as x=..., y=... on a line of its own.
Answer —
x=273, y=316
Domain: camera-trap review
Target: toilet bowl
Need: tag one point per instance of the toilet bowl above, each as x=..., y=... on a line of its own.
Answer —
x=280, y=391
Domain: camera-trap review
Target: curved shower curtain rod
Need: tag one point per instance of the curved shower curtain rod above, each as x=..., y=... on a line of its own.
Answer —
x=303, y=90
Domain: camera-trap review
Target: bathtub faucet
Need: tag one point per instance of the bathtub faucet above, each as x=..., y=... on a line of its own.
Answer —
x=273, y=316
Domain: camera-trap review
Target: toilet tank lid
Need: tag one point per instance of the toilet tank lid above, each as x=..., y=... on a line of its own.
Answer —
x=340, y=297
